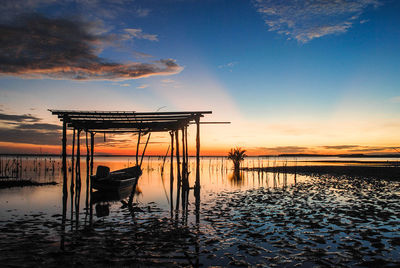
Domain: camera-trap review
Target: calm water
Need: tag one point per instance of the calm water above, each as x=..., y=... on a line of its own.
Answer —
x=216, y=176
x=256, y=218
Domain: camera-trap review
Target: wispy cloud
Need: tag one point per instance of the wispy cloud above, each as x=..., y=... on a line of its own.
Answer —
x=35, y=46
x=142, y=55
x=143, y=86
x=395, y=99
x=309, y=19
x=229, y=66
x=167, y=81
x=139, y=34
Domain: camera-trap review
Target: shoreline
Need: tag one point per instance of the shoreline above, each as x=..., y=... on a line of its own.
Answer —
x=11, y=182
x=371, y=172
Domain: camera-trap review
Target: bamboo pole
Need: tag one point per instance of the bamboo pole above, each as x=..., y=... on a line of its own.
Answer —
x=187, y=152
x=137, y=148
x=178, y=183
x=91, y=152
x=184, y=167
x=87, y=171
x=65, y=191
x=72, y=177
x=171, y=173
x=64, y=155
x=144, y=150
x=197, y=184
x=78, y=156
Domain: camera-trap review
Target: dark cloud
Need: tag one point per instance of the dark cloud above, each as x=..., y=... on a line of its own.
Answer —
x=367, y=149
x=39, y=126
x=26, y=129
x=284, y=149
x=35, y=46
x=341, y=147
x=104, y=9
x=30, y=136
x=18, y=118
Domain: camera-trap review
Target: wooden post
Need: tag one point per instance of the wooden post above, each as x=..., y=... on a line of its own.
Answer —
x=78, y=157
x=144, y=150
x=72, y=177
x=171, y=173
x=178, y=183
x=87, y=155
x=187, y=152
x=64, y=155
x=197, y=185
x=65, y=191
x=87, y=172
x=137, y=148
x=184, y=168
x=72, y=162
x=91, y=152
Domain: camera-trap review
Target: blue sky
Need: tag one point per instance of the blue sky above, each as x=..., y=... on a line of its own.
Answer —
x=291, y=76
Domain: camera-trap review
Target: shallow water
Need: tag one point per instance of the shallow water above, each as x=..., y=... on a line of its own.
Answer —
x=258, y=218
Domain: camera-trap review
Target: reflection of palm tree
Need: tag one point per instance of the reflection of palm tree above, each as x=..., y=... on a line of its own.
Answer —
x=236, y=178
x=237, y=155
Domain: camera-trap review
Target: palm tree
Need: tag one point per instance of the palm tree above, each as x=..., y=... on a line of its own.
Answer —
x=237, y=155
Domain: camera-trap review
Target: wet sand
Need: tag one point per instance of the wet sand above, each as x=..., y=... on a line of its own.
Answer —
x=8, y=183
x=360, y=171
x=327, y=221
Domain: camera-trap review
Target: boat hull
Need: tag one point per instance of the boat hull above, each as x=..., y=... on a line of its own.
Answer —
x=117, y=180
x=113, y=185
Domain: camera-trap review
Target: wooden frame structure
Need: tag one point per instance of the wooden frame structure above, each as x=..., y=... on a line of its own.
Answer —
x=142, y=123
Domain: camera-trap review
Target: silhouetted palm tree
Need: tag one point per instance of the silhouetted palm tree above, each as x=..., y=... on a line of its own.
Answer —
x=237, y=155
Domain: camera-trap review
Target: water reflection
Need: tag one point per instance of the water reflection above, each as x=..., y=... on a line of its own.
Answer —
x=243, y=219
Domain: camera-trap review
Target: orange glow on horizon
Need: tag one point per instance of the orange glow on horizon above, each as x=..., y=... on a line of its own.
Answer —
x=206, y=150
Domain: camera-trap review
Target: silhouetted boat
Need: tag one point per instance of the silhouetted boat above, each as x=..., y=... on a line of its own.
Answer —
x=111, y=196
x=104, y=180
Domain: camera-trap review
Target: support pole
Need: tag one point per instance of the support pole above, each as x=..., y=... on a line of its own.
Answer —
x=87, y=172
x=73, y=161
x=78, y=157
x=64, y=155
x=171, y=173
x=91, y=152
x=197, y=185
x=144, y=150
x=178, y=183
x=87, y=156
x=65, y=191
x=184, y=170
x=137, y=148
x=187, y=152
x=72, y=176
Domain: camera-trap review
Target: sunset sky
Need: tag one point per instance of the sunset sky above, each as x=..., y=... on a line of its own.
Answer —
x=291, y=76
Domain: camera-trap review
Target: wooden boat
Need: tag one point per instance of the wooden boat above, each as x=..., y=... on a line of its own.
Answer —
x=104, y=180
x=111, y=196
